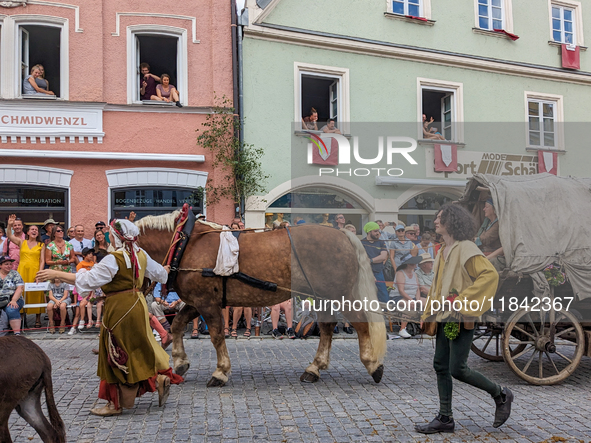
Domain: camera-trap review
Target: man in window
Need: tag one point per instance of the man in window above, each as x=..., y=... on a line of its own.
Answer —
x=330, y=127
x=147, y=82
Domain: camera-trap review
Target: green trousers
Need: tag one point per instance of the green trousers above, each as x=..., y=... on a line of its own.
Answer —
x=451, y=360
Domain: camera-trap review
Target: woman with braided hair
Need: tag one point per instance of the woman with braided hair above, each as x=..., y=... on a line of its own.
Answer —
x=130, y=360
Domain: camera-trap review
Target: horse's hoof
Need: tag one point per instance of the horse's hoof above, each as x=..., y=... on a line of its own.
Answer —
x=182, y=369
x=378, y=373
x=309, y=377
x=215, y=383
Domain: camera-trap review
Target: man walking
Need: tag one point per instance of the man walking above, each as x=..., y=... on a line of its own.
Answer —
x=463, y=273
x=377, y=253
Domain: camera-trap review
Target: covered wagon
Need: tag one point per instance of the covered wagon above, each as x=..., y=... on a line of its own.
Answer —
x=540, y=323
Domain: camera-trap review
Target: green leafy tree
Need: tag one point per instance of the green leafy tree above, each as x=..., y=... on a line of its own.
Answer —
x=239, y=163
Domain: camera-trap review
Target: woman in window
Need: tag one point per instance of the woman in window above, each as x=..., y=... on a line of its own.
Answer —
x=310, y=122
x=30, y=86
x=430, y=133
x=41, y=81
x=167, y=92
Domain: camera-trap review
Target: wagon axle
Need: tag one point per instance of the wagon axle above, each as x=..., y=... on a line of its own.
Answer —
x=545, y=344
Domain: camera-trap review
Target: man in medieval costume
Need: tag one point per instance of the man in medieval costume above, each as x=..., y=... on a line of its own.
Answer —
x=130, y=361
x=463, y=277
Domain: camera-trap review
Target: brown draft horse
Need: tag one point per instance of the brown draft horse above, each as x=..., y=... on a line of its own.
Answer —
x=334, y=262
x=25, y=371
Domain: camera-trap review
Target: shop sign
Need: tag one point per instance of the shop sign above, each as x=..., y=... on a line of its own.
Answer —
x=31, y=198
x=45, y=120
x=494, y=163
x=138, y=201
x=167, y=198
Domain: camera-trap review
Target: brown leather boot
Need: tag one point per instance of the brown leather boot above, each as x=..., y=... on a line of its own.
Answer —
x=106, y=411
x=163, y=384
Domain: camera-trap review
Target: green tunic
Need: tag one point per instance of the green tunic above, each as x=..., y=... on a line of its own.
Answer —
x=133, y=333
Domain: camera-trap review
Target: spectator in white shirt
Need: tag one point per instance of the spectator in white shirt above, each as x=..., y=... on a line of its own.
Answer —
x=79, y=242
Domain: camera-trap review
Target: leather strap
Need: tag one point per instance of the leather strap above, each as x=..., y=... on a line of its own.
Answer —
x=295, y=253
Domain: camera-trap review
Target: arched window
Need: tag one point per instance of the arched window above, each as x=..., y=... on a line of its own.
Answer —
x=316, y=205
x=422, y=208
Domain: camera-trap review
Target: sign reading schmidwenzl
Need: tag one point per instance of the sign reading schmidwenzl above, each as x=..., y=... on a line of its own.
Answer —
x=494, y=163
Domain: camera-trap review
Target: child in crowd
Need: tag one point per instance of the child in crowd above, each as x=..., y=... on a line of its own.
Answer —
x=87, y=300
x=78, y=298
x=59, y=297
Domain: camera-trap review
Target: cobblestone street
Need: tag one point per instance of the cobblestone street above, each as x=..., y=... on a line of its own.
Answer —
x=265, y=401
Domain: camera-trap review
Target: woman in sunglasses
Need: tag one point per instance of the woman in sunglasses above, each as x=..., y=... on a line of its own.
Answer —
x=60, y=253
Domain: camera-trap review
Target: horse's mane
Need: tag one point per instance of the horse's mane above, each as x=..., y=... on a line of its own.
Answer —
x=165, y=222
x=213, y=225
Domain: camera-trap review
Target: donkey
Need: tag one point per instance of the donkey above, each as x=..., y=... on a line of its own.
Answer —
x=25, y=371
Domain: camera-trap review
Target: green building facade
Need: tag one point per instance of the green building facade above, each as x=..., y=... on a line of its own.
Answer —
x=376, y=67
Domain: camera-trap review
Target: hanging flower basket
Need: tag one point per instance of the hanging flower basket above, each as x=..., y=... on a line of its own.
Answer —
x=554, y=275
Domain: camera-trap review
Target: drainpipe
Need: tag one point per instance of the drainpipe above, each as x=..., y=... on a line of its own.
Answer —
x=242, y=21
x=235, y=74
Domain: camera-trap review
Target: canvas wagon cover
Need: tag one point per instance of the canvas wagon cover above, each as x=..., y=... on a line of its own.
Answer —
x=543, y=219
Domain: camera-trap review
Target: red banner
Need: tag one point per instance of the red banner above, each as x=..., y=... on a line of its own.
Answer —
x=548, y=162
x=446, y=158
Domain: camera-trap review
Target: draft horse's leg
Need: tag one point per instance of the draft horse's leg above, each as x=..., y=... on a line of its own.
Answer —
x=213, y=317
x=179, y=356
x=322, y=358
x=366, y=351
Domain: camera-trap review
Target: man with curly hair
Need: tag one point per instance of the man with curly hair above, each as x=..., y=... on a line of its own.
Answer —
x=463, y=275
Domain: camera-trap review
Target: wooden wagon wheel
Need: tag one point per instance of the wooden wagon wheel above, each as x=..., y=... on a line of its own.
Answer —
x=487, y=342
x=554, y=345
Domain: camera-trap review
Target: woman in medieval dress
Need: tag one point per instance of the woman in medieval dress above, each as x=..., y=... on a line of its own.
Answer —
x=130, y=360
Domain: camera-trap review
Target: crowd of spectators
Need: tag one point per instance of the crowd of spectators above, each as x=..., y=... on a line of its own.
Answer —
x=402, y=262
x=26, y=250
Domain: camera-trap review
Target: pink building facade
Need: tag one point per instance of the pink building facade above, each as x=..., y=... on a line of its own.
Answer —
x=95, y=150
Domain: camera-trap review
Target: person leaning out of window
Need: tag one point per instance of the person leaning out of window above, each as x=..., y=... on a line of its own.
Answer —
x=167, y=92
x=30, y=86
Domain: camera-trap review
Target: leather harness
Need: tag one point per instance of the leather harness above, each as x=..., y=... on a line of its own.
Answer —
x=179, y=243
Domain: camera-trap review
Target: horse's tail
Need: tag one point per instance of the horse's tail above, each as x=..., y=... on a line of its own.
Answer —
x=366, y=287
x=59, y=429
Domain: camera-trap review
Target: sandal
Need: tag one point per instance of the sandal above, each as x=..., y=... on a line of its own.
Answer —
x=247, y=333
x=226, y=332
x=195, y=333
x=234, y=333
x=37, y=325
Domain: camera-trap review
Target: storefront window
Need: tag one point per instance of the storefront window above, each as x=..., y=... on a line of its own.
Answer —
x=152, y=201
x=33, y=205
x=316, y=205
x=422, y=208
